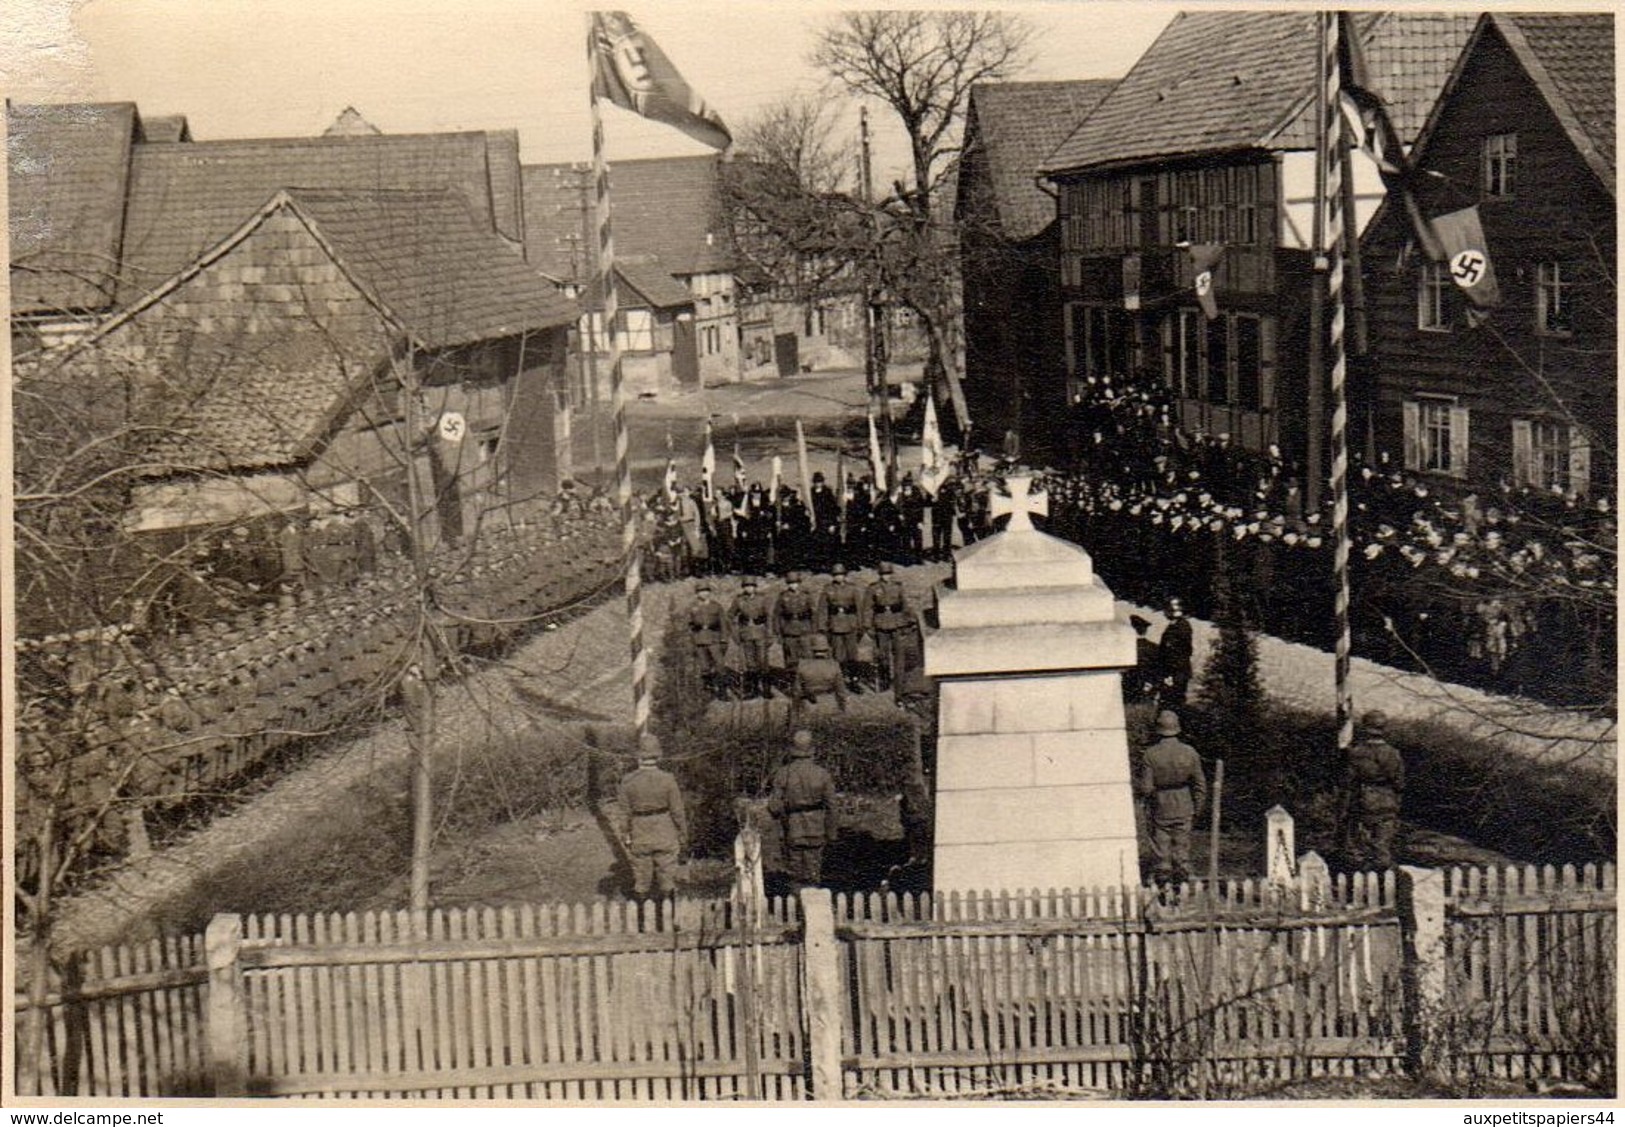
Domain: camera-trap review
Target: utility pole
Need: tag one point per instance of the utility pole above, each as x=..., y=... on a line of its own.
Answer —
x=580, y=183
x=874, y=314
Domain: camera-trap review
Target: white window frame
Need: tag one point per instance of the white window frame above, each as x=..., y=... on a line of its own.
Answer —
x=1432, y=305
x=1501, y=166
x=1551, y=299
x=1436, y=435
x=1547, y=454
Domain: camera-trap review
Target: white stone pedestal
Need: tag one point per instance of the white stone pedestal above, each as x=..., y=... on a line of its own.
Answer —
x=1033, y=789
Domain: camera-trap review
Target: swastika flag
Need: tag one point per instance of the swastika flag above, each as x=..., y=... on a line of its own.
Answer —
x=630, y=70
x=1467, y=257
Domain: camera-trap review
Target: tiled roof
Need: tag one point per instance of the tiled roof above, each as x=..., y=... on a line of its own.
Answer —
x=1571, y=57
x=420, y=256
x=667, y=208
x=68, y=166
x=185, y=199
x=1018, y=124
x=447, y=279
x=165, y=128
x=258, y=410
x=507, y=194
x=350, y=123
x=651, y=284
x=1220, y=81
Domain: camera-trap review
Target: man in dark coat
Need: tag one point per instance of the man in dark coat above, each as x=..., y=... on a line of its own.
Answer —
x=1374, y=780
x=1174, y=789
x=654, y=823
x=911, y=512
x=1174, y=656
x=1142, y=679
x=803, y=802
x=944, y=509
x=826, y=509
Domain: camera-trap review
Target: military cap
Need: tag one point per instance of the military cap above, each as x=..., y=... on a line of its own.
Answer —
x=1167, y=723
x=820, y=644
x=801, y=744
x=648, y=747
x=838, y=569
x=1374, y=722
x=1140, y=623
x=886, y=567
x=748, y=582
x=703, y=588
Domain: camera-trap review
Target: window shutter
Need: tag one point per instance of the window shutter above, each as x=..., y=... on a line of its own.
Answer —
x=1266, y=363
x=1412, y=416
x=1169, y=328
x=1579, y=462
x=1523, y=452
x=1458, y=441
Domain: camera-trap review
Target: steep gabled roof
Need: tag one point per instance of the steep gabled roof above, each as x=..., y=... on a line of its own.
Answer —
x=1570, y=58
x=1016, y=125
x=186, y=198
x=1226, y=81
x=649, y=285
x=68, y=167
x=667, y=208
x=419, y=257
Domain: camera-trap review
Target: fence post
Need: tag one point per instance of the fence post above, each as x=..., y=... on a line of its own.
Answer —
x=1421, y=928
x=1280, y=846
x=822, y=1000
x=227, y=1012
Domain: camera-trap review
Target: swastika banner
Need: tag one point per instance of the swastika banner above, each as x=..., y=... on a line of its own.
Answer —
x=1467, y=256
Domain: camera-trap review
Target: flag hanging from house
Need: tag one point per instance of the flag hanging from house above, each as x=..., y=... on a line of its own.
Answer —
x=806, y=478
x=1204, y=260
x=1463, y=249
x=1366, y=111
x=877, y=460
x=708, y=462
x=933, y=461
x=630, y=70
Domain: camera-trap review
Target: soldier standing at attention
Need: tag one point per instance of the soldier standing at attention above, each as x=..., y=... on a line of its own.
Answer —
x=1373, y=782
x=1174, y=789
x=888, y=617
x=794, y=617
x=654, y=823
x=707, y=639
x=751, y=620
x=840, y=618
x=803, y=802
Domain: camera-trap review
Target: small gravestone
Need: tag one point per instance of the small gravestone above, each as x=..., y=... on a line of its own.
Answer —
x=1033, y=788
x=1280, y=846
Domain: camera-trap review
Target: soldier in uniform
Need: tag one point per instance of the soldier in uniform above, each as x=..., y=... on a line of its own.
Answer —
x=816, y=675
x=1171, y=783
x=1373, y=781
x=751, y=620
x=803, y=802
x=708, y=640
x=795, y=618
x=654, y=823
x=840, y=618
x=889, y=618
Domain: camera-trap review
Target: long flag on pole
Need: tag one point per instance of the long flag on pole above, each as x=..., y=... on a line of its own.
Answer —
x=806, y=478
x=933, y=460
x=708, y=462
x=630, y=71
x=877, y=460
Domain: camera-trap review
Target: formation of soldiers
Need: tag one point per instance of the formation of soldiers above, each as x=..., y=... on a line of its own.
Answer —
x=846, y=637
x=160, y=719
x=751, y=530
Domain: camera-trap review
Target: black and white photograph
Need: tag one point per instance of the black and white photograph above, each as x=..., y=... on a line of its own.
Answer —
x=796, y=555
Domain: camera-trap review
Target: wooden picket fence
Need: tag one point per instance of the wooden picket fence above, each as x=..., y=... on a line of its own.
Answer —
x=1465, y=973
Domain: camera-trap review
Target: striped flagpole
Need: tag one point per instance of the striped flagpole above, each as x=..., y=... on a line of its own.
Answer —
x=1334, y=145
x=623, y=460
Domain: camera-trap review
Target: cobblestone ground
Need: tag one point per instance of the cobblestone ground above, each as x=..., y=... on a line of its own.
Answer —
x=1302, y=677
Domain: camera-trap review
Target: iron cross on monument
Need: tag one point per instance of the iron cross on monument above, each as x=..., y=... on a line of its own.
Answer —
x=1019, y=505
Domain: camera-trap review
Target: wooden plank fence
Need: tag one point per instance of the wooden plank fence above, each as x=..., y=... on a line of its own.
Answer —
x=1464, y=973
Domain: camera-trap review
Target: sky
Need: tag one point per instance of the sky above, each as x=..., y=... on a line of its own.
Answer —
x=246, y=68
